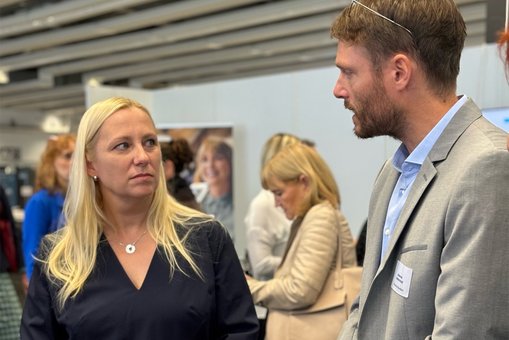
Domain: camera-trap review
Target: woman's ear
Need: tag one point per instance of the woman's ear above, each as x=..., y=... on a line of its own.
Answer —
x=90, y=168
x=304, y=179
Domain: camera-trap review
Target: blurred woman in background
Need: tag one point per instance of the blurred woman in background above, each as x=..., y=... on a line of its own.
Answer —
x=177, y=157
x=319, y=245
x=267, y=226
x=43, y=212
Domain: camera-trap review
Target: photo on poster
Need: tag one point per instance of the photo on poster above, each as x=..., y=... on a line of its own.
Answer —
x=208, y=173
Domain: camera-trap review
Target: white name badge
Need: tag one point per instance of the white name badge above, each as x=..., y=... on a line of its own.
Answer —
x=401, y=280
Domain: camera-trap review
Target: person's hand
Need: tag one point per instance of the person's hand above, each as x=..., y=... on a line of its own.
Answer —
x=248, y=277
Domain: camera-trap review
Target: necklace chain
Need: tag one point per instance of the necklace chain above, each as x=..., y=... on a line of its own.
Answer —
x=130, y=248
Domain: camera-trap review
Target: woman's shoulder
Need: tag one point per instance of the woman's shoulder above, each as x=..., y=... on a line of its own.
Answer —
x=206, y=234
x=47, y=244
x=44, y=196
x=209, y=227
x=324, y=209
x=40, y=195
x=324, y=214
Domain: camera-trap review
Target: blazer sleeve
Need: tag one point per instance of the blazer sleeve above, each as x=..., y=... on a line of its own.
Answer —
x=235, y=313
x=349, y=329
x=39, y=318
x=472, y=295
x=309, y=266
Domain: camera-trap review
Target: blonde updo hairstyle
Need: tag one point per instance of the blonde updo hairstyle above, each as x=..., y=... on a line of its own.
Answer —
x=274, y=144
x=297, y=160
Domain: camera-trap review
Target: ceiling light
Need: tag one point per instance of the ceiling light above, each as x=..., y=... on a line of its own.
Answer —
x=54, y=124
x=93, y=82
x=4, y=77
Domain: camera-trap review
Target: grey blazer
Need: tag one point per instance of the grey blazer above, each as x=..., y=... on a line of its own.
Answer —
x=450, y=246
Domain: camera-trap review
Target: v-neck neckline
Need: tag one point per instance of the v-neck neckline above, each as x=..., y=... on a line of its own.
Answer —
x=122, y=269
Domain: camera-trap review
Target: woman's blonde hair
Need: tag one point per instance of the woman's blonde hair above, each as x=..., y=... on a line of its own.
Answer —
x=275, y=143
x=46, y=176
x=295, y=160
x=73, y=250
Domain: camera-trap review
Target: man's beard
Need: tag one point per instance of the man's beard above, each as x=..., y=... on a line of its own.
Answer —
x=375, y=115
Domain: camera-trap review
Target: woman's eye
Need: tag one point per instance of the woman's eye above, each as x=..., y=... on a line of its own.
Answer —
x=150, y=142
x=122, y=146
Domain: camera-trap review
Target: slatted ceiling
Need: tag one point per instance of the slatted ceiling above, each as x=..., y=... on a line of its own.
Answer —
x=37, y=18
x=198, y=46
x=258, y=51
x=63, y=92
x=62, y=44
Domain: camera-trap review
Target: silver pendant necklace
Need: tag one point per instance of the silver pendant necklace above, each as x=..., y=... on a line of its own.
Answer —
x=130, y=248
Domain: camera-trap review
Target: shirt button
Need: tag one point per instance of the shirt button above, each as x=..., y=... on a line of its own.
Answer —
x=387, y=232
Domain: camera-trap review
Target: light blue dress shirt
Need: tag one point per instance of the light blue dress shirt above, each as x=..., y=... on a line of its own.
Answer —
x=408, y=165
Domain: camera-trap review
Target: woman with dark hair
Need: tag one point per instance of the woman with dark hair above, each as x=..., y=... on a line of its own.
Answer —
x=177, y=156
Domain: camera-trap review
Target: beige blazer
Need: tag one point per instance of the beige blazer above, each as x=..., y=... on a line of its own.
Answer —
x=450, y=245
x=299, y=280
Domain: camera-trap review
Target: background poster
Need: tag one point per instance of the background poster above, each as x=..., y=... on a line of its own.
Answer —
x=211, y=174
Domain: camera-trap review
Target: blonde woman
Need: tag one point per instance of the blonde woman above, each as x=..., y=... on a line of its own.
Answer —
x=132, y=263
x=267, y=226
x=43, y=212
x=214, y=167
x=304, y=187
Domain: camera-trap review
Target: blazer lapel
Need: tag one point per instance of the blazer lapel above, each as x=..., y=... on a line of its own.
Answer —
x=423, y=179
x=465, y=116
x=380, y=198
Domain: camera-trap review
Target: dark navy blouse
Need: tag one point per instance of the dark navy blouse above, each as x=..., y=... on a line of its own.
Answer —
x=180, y=307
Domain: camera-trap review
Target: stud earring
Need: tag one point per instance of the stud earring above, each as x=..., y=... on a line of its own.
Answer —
x=95, y=178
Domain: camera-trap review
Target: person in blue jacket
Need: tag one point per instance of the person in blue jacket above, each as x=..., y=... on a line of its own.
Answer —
x=44, y=209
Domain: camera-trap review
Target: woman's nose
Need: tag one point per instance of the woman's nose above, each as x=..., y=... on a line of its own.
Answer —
x=140, y=155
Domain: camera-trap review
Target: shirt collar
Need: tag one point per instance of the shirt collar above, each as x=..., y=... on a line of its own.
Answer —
x=420, y=153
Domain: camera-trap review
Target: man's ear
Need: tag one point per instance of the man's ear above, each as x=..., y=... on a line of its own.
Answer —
x=400, y=70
